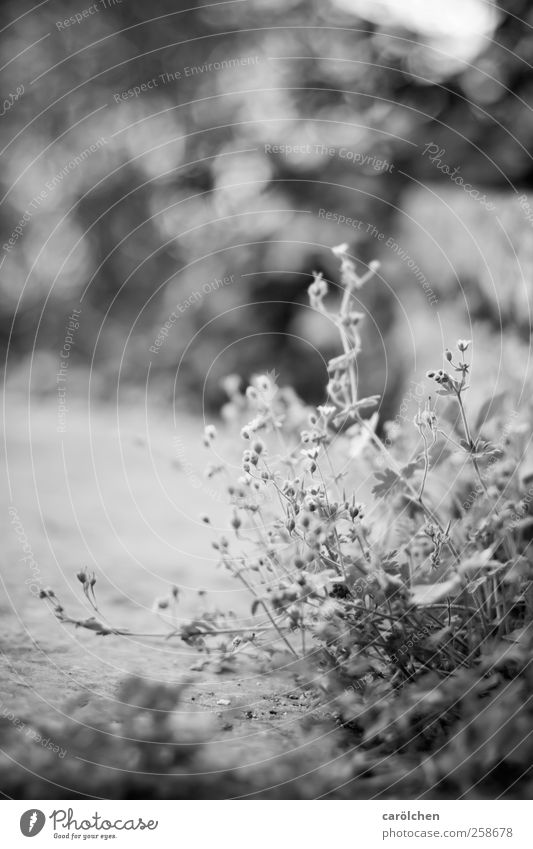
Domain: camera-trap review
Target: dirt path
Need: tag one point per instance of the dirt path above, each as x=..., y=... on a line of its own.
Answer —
x=126, y=505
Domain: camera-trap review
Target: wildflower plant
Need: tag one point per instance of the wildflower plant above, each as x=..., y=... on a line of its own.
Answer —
x=372, y=595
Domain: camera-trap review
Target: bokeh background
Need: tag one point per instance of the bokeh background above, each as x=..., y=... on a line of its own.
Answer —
x=187, y=190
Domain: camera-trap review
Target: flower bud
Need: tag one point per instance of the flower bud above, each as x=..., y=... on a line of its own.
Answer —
x=340, y=250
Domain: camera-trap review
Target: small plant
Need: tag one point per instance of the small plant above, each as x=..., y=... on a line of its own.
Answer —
x=374, y=598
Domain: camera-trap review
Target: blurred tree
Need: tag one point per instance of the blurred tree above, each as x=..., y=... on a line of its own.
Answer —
x=227, y=128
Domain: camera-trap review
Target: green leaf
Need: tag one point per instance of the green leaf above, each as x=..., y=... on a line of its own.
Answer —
x=389, y=561
x=387, y=481
x=479, y=560
x=427, y=594
x=413, y=466
x=487, y=449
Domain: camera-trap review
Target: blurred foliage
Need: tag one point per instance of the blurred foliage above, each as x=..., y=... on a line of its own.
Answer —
x=466, y=737
x=185, y=190
x=151, y=746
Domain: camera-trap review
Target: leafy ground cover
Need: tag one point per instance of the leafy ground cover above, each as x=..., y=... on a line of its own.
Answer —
x=366, y=627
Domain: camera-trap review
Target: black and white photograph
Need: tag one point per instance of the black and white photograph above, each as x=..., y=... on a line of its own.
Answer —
x=266, y=273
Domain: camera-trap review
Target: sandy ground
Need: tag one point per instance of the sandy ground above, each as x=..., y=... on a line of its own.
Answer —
x=121, y=495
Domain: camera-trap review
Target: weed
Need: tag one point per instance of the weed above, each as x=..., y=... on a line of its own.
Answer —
x=394, y=606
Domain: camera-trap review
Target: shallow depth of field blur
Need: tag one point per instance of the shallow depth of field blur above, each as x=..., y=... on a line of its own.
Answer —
x=172, y=174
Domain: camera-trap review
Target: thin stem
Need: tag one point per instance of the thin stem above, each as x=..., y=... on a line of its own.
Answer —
x=349, y=351
x=335, y=532
x=471, y=444
x=426, y=468
x=428, y=512
x=263, y=604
